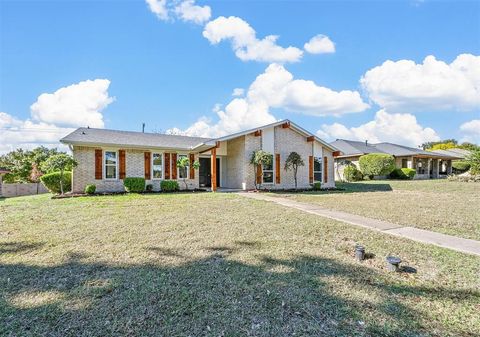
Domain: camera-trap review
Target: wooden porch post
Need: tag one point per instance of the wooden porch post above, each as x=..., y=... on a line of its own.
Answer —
x=214, y=169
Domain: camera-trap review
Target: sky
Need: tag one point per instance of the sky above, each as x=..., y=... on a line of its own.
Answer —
x=398, y=71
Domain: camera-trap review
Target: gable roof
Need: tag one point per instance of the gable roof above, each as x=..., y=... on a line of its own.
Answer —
x=355, y=148
x=104, y=137
x=460, y=153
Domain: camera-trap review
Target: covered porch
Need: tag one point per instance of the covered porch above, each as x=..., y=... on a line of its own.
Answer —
x=431, y=168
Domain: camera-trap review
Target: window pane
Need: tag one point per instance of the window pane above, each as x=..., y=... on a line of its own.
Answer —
x=270, y=166
x=157, y=172
x=268, y=177
x=317, y=164
x=157, y=159
x=182, y=172
x=317, y=176
x=110, y=157
x=110, y=172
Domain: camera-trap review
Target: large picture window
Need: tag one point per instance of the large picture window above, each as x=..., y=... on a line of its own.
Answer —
x=317, y=169
x=110, y=165
x=157, y=166
x=183, y=171
x=268, y=172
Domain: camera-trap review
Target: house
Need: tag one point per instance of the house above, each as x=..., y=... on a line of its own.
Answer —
x=105, y=157
x=428, y=164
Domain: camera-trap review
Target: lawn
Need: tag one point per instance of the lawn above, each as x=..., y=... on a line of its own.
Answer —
x=205, y=264
x=437, y=205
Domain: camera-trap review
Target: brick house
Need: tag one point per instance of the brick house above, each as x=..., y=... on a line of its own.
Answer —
x=105, y=157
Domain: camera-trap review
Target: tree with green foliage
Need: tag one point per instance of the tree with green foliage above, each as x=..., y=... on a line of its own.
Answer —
x=474, y=160
x=376, y=164
x=59, y=162
x=184, y=163
x=293, y=162
x=258, y=159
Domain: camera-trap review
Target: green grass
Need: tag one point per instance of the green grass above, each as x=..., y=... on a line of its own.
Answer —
x=206, y=264
x=437, y=205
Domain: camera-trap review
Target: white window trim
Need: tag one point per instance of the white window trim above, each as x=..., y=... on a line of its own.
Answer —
x=104, y=164
x=178, y=168
x=273, y=173
x=163, y=166
x=321, y=171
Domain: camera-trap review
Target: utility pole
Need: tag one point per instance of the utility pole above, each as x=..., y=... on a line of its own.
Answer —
x=143, y=127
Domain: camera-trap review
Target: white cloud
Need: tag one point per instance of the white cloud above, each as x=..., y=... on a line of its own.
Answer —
x=400, y=128
x=238, y=92
x=188, y=11
x=432, y=85
x=245, y=43
x=320, y=44
x=76, y=105
x=471, y=131
x=159, y=8
x=276, y=88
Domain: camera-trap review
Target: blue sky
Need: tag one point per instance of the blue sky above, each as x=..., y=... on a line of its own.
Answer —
x=162, y=67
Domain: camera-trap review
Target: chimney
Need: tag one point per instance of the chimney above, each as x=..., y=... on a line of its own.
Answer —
x=143, y=127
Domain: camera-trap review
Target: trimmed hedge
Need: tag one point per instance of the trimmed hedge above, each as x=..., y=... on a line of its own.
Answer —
x=351, y=173
x=90, y=189
x=377, y=164
x=169, y=186
x=134, y=184
x=461, y=165
x=317, y=186
x=52, y=181
x=403, y=173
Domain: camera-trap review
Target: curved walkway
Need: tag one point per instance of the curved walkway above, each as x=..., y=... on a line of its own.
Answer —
x=446, y=241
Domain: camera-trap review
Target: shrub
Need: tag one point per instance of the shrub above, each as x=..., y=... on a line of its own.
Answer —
x=351, y=173
x=403, y=173
x=377, y=164
x=134, y=184
x=90, y=189
x=317, y=186
x=52, y=181
x=474, y=160
x=169, y=186
x=149, y=188
x=461, y=165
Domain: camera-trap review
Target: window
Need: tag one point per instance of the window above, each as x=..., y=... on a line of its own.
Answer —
x=268, y=172
x=422, y=166
x=110, y=165
x=404, y=163
x=183, y=171
x=317, y=169
x=157, y=166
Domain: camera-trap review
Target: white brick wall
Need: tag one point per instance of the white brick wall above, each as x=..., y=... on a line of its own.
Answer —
x=235, y=167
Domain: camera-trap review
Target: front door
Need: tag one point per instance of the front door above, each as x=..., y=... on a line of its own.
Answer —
x=205, y=172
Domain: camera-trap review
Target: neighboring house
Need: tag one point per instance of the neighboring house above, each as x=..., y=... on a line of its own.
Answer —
x=428, y=164
x=105, y=157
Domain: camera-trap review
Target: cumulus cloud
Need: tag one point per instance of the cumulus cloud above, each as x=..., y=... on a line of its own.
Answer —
x=188, y=11
x=76, y=105
x=159, y=8
x=275, y=88
x=245, y=44
x=401, y=128
x=320, y=44
x=431, y=85
x=54, y=115
x=471, y=131
x=238, y=92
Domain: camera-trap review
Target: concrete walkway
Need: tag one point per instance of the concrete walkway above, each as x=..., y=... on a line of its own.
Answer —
x=446, y=241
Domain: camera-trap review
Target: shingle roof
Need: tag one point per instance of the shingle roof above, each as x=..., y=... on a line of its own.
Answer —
x=350, y=147
x=86, y=136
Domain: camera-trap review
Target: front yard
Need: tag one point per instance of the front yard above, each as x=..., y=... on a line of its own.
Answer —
x=206, y=264
x=436, y=205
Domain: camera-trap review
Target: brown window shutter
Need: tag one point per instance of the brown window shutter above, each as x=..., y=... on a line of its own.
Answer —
x=98, y=164
x=277, y=168
x=259, y=174
x=174, y=166
x=310, y=169
x=167, y=165
x=122, y=170
x=192, y=170
x=325, y=169
x=147, y=165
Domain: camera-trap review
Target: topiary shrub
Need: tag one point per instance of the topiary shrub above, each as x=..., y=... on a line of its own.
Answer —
x=402, y=173
x=317, y=186
x=134, y=184
x=90, y=189
x=377, y=164
x=169, y=186
x=460, y=166
x=52, y=181
x=351, y=173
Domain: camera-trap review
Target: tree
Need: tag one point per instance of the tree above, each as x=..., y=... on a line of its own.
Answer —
x=184, y=163
x=474, y=160
x=257, y=159
x=376, y=164
x=59, y=162
x=430, y=145
x=294, y=161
